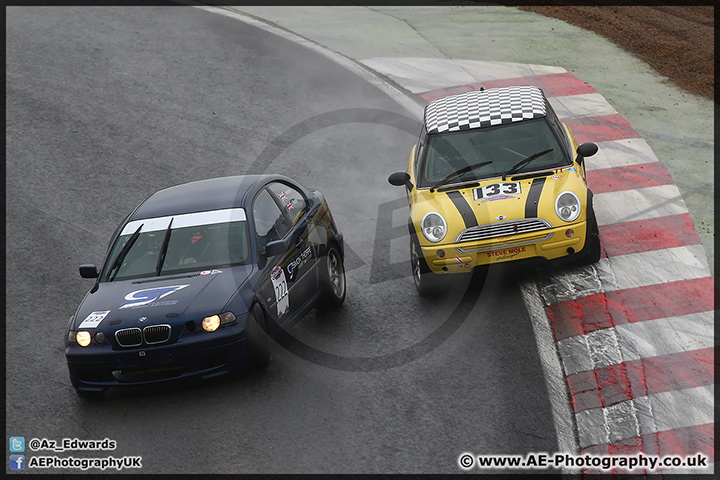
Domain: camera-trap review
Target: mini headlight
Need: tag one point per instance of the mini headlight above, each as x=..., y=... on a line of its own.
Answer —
x=100, y=337
x=83, y=338
x=567, y=206
x=211, y=323
x=433, y=226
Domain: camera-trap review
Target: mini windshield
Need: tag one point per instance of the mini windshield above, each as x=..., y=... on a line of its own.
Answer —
x=492, y=150
x=181, y=243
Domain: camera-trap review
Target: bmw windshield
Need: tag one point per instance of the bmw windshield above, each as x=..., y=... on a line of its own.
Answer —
x=490, y=152
x=180, y=243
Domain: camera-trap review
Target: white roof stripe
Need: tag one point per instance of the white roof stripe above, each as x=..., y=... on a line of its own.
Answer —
x=186, y=220
x=484, y=108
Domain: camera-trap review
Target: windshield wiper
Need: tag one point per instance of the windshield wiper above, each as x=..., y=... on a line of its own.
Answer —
x=121, y=256
x=163, y=249
x=457, y=174
x=524, y=162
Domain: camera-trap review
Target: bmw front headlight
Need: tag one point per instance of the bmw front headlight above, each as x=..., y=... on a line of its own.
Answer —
x=213, y=322
x=434, y=227
x=567, y=206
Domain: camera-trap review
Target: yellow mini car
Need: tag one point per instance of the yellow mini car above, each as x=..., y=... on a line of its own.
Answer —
x=495, y=177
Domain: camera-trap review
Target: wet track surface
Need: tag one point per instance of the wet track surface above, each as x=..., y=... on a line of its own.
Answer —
x=106, y=106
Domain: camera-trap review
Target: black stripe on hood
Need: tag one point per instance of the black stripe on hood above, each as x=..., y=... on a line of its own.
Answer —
x=464, y=208
x=531, y=203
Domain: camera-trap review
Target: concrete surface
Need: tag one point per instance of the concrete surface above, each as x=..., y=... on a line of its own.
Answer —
x=679, y=126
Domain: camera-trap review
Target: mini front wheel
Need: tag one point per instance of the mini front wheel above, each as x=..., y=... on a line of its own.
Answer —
x=425, y=281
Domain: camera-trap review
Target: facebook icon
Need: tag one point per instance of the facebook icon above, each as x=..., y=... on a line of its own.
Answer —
x=17, y=462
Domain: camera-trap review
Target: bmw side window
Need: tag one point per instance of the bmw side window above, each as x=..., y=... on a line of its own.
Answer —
x=290, y=199
x=270, y=223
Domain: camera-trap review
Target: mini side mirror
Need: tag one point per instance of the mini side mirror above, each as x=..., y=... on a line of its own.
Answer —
x=88, y=271
x=399, y=179
x=587, y=149
x=278, y=247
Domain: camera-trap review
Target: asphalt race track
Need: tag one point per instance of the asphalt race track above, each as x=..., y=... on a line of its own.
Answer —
x=106, y=106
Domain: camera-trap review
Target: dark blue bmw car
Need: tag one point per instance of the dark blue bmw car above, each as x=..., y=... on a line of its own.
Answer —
x=199, y=276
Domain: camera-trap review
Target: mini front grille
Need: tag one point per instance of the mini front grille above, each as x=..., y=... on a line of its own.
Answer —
x=129, y=337
x=156, y=333
x=502, y=229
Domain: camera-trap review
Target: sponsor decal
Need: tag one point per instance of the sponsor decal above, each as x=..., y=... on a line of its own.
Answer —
x=556, y=176
x=506, y=254
x=94, y=319
x=210, y=272
x=498, y=197
x=276, y=272
x=461, y=262
x=298, y=262
x=495, y=189
x=150, y=297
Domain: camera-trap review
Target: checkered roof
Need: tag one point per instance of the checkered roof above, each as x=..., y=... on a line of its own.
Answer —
x=483, y=108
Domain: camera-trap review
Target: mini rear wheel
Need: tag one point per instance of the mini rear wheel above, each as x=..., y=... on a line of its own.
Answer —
x=593, y=250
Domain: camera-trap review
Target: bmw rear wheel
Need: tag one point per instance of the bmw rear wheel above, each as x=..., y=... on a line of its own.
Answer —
x=333, y=280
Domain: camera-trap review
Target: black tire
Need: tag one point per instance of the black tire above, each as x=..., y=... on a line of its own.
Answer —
x=333, y=280
x=258, y=341
x=425, y=281
x=593, y=248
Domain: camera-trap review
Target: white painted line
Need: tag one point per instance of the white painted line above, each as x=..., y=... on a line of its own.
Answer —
x=483, y=71
x=632, y=341
x=626, y=271
x=621, y=153
x=413, y=108
x=639, y=204
x=420, y=75
x=558, y=393
x=569, y=107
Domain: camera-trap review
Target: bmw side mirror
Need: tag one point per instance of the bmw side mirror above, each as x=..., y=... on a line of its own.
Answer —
x=278, y=247
x=587, y=149
x=88, y=271
x=400, y=179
